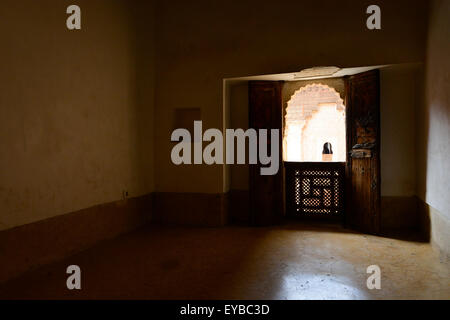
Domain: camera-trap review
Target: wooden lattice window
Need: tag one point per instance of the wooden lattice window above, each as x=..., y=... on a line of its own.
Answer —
x=315, y=189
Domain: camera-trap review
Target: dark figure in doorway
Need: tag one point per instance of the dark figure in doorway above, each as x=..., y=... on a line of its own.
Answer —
x=327, y=153
x=327, y=149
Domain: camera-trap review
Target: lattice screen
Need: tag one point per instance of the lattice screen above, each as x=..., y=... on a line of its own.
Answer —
x=315, y=191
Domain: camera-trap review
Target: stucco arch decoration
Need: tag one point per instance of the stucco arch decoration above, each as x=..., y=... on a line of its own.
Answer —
x=301, y=108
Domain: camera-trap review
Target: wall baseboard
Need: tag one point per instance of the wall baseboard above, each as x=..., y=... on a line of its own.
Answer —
x=436, y=227
x=32, y=245
x=239, y=207
x=397, y=213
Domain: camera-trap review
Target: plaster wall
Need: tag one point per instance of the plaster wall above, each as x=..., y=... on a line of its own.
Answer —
x=70, y=110
x=433, y=123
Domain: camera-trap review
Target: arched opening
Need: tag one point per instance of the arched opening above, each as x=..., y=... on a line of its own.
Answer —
x=315, y=115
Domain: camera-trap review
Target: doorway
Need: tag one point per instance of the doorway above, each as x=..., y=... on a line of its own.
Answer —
x=314, y=151
x=325, y=179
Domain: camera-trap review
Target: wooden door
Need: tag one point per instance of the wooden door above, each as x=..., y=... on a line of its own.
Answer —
x=266, y=192
x=363, y=144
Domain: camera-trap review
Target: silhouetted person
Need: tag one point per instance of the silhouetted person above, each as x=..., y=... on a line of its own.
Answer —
x=327, y=149
x=327, y=153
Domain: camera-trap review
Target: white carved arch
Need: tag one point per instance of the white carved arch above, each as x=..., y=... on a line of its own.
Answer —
x=304, y=103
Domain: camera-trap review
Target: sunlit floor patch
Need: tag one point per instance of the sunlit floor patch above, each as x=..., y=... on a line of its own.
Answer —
x=319, y=287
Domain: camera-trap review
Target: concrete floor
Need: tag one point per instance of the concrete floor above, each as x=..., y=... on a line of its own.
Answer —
x=286, y=262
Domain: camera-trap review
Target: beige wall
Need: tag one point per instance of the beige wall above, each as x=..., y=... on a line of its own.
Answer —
x=69, y=109
x=200, y=43
x=434, y=122
x=400, y=93
x=144, y=13
x=433, y=138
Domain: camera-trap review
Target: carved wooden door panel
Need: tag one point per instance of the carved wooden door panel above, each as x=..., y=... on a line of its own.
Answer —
x=363, y=143
x=266, y=192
